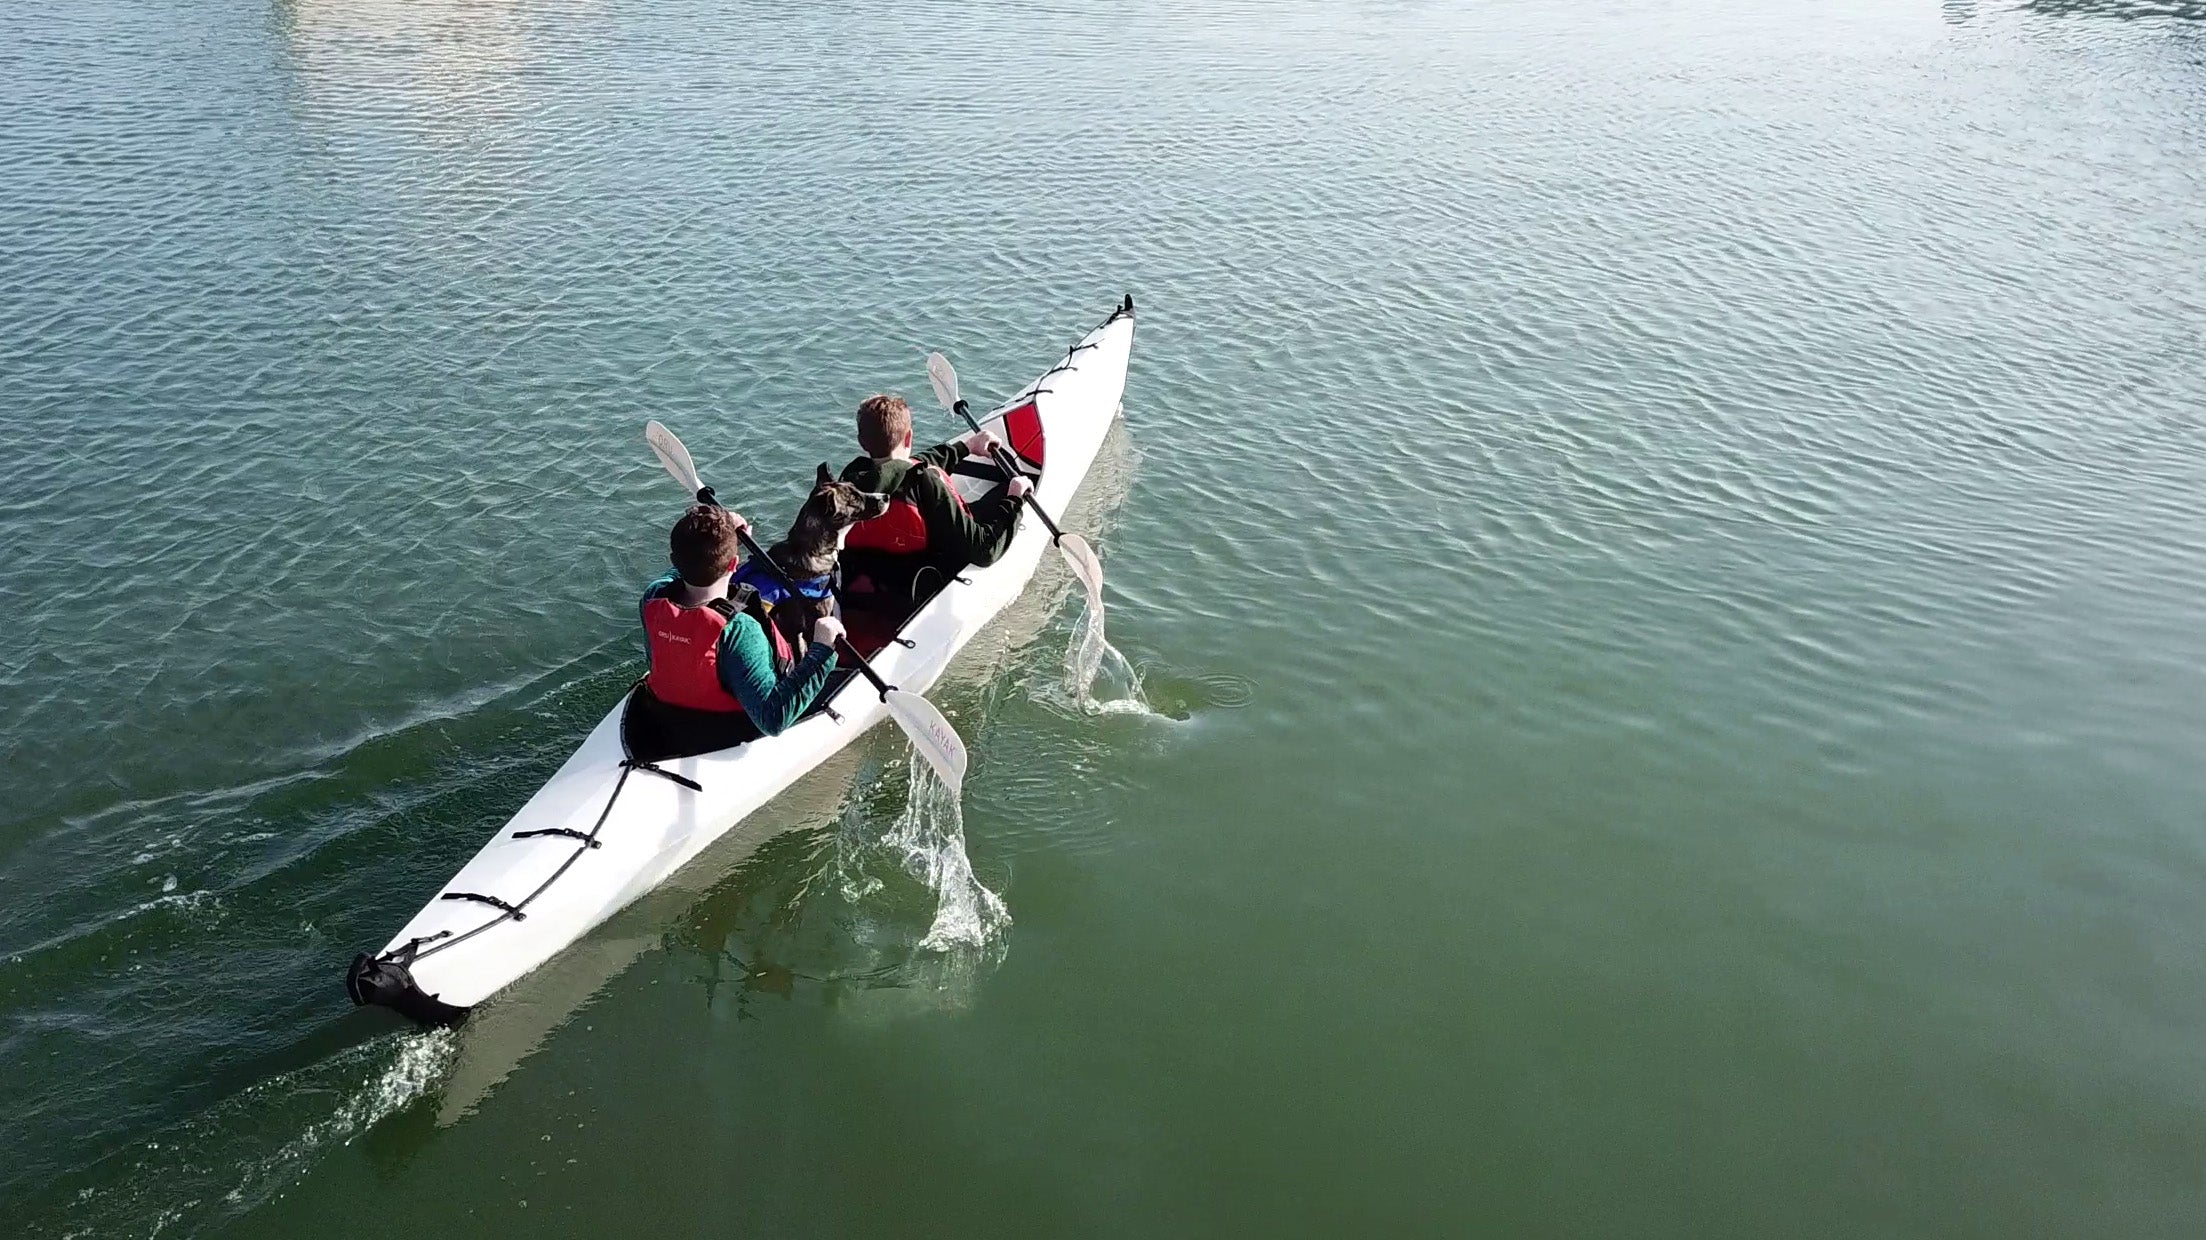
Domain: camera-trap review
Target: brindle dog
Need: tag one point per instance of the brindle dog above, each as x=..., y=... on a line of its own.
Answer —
x=808, y=553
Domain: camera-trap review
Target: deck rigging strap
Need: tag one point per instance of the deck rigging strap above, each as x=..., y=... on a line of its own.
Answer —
x=1035, y=388
x=405, y=953
x=587, y=839
x=415, y=949
x=656, y=769
x=510, y=910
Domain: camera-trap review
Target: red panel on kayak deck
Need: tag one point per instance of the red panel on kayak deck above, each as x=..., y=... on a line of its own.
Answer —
x=1023, y=427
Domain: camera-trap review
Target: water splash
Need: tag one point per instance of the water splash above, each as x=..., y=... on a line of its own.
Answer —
x=1091, y=660
x=930, y=836
x=926, y=843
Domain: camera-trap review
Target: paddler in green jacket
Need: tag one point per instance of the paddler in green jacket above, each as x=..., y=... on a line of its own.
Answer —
x=927, y=526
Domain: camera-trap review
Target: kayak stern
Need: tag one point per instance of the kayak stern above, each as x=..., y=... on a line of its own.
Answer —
x=389, y=983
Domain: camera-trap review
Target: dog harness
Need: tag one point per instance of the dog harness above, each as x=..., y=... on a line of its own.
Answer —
x=818, y=589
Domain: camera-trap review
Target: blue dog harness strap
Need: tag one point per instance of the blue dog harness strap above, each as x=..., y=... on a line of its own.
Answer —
x=769, y=590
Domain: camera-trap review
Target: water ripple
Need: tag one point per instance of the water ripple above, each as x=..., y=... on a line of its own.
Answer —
x=1755, y=441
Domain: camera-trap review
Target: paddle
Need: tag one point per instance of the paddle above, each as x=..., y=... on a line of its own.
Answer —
x=1079, y=556
x=675, y=457
x=930, y=733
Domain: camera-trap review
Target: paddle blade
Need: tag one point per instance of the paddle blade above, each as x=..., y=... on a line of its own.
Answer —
x=944, y=377
x=932, y=736
x=673, y=455
x=1081, y=559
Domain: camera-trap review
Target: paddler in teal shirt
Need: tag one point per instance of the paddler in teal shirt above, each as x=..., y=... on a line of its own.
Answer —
x=712, y=654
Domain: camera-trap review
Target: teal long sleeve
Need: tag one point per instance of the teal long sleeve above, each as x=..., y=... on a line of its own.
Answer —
x=747, y=671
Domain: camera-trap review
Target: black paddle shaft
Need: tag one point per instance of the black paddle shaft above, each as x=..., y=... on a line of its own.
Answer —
x=758, y=554
x=1002, y=456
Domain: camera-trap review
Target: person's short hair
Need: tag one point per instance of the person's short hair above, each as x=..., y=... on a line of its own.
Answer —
x=884, y=424
x=703, y=544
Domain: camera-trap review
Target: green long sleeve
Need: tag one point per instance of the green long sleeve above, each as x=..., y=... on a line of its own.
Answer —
x=977, y=536
x=747, y=671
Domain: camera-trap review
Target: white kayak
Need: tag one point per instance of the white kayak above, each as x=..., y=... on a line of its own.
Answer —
x=607, y=829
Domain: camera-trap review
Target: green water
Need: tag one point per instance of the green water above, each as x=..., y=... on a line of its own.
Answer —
x=1665, y=539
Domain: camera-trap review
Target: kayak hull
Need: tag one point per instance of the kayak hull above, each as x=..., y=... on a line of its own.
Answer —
x=602, y=832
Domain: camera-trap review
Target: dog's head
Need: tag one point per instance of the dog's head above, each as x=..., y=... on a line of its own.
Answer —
x=831, y=509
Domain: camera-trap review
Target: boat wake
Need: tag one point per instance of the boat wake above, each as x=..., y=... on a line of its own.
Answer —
x=255, y=1144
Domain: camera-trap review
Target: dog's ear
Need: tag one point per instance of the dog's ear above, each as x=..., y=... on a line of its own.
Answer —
x=825, y=480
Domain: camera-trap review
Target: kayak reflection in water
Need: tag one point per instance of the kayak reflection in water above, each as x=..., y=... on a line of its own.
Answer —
x=713, y=652
x=928, y=531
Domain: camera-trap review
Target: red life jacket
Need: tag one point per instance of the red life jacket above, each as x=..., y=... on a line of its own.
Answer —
x=685, y=653
x=902, y=530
